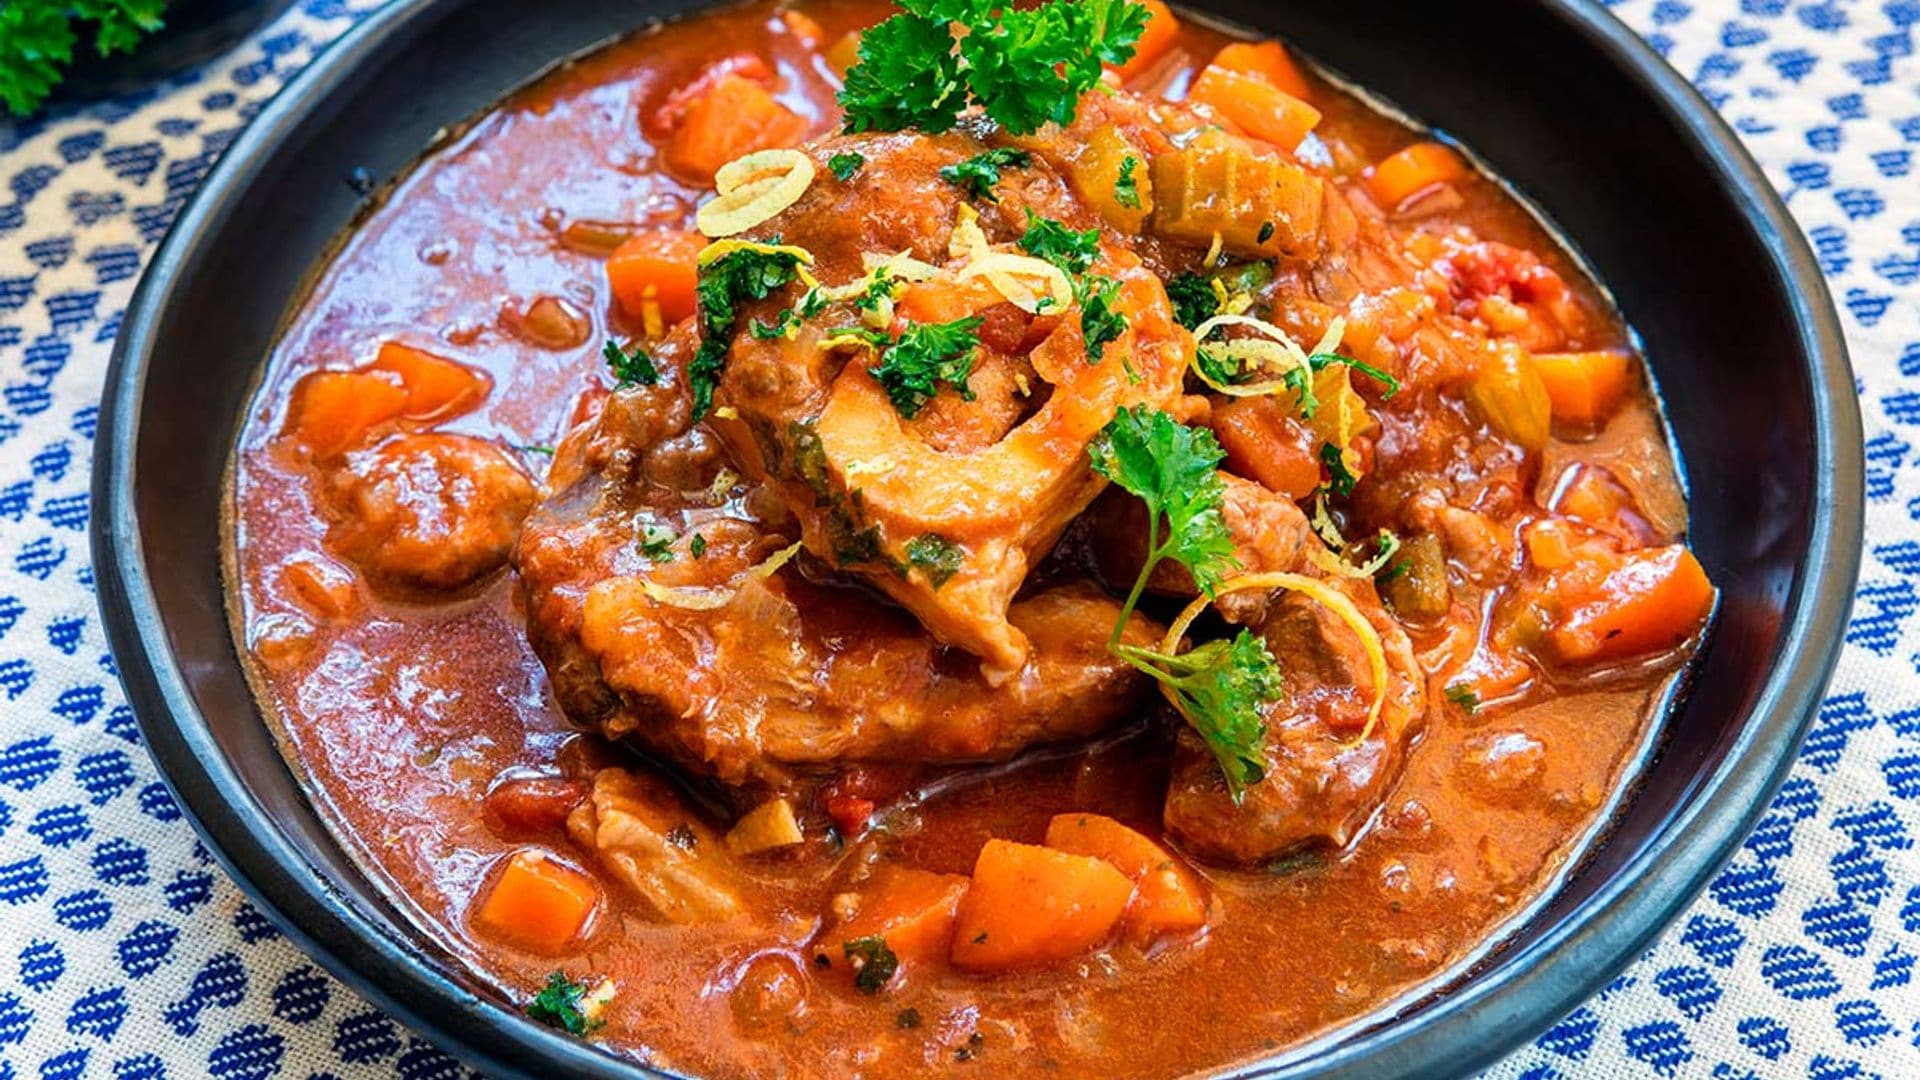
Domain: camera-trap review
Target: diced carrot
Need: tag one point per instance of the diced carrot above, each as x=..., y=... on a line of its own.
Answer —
x=1167, y=896
x=1162, y=28
x=1653, y=600
x=331, y=411
x=1268, y=61
x=672, y=112
x=437, y=388
x=657, y=266
x=1032, y=905
x=532, y=804
x=1264, y=442
x=911, y=910
x=1400, y=176
x=537, y=902
x=1255, y=106
x=1592, y=495
x=941, y=301
x=1550, y=543
x=736, y=117
x=1585, y=386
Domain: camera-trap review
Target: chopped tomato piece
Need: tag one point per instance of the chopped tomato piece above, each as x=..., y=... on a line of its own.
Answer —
x=1653, y=600
x=1032, y=905
x=656, y=267
x=735, y=117
x=1162, y=28
x=1399, y=177
x=537, y=903
x=531, y=804
x=911, y=910
x=332, y=411
x=1267, y=61
x=1263, y=442
x=1255, y=106
x=1585, y=386
x=320, y=585
x=1167, y=895
x=437, y=388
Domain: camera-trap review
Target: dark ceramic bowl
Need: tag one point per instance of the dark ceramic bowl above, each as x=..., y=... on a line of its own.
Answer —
x=1559, y=98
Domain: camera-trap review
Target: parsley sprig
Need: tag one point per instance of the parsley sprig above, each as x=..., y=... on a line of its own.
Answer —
x=978, y=174
x=38, y=38
x=561, y=1004
x=1219, y=686
x=1023, y=67
x=631, y=366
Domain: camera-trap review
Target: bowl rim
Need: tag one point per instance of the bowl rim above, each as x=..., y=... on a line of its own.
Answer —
x=1487, y=1016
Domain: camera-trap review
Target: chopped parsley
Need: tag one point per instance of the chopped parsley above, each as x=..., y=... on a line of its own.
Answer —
x=744, y=273
x=1320, y=361
x=926, y=355
x=879, y=290
x=783, y=326
x=935, y=556
x=631, y=366
x=656, y=544
x=907, y=1019
x=558, y=1005
x=978, y=175
x=1024, y=67
x=1220, y=686
x=697, y=546
x=1463, y=695
x=1100, y=321
x=843, y=166
x=1126, y=189
x=1265, y=234
x=1194, y=300
x=1340, y=479
x=1070, y=250
x=873, y=963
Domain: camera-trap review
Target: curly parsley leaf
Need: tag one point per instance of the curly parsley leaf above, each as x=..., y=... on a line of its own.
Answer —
x=1070, y=250
x=1172, y=468
x=874, y=963
x=843, y=166
x=1024, y=67
x=1462, y=695
x=560, y=1004
x=926, y=355
x=38, y=37
x=1340, y=479
x=978, y=174
x=742, y=274
x=631, y=366
x=1220, y=688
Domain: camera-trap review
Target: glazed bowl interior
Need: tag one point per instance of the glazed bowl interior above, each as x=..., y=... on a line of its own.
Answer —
x=1559, y=100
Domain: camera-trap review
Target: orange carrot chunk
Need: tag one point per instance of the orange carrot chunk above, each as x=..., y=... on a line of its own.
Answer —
x=736, y=116
x=1267, y=61
x=1398, y=177
x=1585, y=386
x=1255, y=106
x=656, y=267
x=1031, y=905
x=437, y=388
x=332, y=411
x=1653, y=600
x=1162, y=28
x=1167, y=896
x=911, y=910
x=537, y=903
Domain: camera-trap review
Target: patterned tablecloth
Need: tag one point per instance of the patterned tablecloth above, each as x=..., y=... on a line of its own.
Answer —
x=125, y=953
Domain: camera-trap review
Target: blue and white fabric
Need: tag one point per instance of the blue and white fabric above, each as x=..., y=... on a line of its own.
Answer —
x=126, y=954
